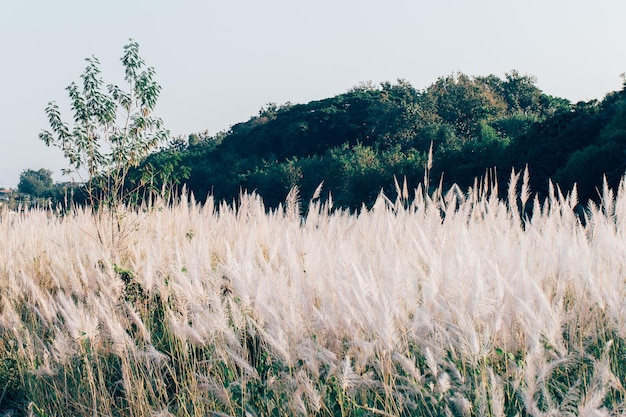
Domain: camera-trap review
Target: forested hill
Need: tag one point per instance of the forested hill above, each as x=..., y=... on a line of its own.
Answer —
x=358, y=141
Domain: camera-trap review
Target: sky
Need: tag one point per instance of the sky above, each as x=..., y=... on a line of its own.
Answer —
x=219, y=62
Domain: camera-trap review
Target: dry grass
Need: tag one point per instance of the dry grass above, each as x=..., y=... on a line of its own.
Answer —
x=446, y=305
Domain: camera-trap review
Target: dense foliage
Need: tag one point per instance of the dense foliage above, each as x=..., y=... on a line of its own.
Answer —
x=357, y=142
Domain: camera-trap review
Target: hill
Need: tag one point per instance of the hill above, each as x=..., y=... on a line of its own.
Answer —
x=358, y=141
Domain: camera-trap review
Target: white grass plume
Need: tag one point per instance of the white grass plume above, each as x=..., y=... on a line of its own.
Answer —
x=450, y=274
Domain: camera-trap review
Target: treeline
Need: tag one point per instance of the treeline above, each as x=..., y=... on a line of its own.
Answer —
x=357, y=142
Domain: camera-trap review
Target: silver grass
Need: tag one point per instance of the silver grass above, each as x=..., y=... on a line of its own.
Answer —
x=512, y=193
x=496, y=395
x=525, y=190
x=443, y=382
x=348, y=379
x=242, y=363
x=135, y=320
x=161, y=413
x=80, y=322
x=62, y=348
x=318, y=191
x=306, y=388
x=431, y=362
x=452, y=274
x=462, y=404
x=608, y=199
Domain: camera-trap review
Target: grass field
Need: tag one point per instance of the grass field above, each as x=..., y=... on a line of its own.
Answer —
x=444, y=305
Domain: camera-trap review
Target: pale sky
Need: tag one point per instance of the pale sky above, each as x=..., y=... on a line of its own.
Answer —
x=219, y=62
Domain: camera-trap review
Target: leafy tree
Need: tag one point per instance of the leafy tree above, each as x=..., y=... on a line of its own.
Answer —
x=113, y=128
x=274, y=180
x=520, y=93
x=464, y=101
x=514, y=125
x=396, y=116
x=615, y=129
x=359, y=175
x=159, y=173
x=588, y=167
x=37, y=183
x=549, y=144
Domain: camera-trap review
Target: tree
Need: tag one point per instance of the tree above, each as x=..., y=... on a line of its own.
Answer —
x=520, y=93
x=588, y=167
x=395, y=116
x=113, y=129
x=464, y=101
x=37, y=184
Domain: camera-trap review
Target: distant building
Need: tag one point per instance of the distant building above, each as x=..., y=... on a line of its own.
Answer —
x=5, y=194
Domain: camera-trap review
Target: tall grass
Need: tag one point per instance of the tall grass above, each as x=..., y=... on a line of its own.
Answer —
x=450, y=304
